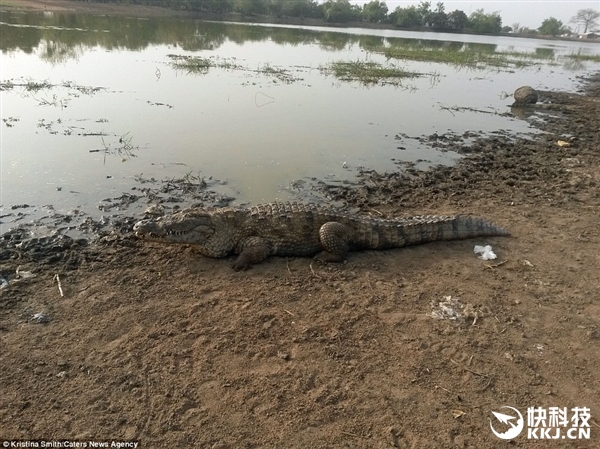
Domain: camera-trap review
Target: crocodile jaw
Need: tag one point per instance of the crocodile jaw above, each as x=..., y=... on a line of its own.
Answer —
x=183, y=228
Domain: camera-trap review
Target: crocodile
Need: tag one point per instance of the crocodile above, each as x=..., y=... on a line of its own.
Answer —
x=297, y=229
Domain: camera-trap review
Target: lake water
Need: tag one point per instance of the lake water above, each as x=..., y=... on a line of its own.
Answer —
x=114, y=110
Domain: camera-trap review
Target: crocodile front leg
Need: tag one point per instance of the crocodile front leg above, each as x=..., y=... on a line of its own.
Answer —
x=253, y=250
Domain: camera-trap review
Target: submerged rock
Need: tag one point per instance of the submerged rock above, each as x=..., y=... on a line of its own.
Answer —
x=525, y=95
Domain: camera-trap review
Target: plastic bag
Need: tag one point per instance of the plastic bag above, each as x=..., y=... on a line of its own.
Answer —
x=485, y=251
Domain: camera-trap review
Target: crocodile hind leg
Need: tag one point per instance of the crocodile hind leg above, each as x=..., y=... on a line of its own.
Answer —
x=334, y=238
x=254, y=249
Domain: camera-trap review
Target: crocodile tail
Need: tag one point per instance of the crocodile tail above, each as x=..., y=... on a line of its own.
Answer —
x=467, y=227
x=427, y=228
x=433, y=228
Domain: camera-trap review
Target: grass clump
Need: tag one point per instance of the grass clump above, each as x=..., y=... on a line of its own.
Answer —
x=32, y=86
x=368, y=72
x=191, y=64
x=28, y=86
x=200, y=65
x=580, y=57
x=464, y=57
x=280, y=74
x=35, y=86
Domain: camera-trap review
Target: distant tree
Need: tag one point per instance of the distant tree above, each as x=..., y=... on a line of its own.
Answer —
x=457, y=20
x=424, y=10
x=340, y=11
x=412, y=16
x=588, y=18
x=551, y=27
x=485, y=23
x=516, y=27
x=375, y=11
x=528, y=31
x=215, y=5
x=507, y=29
x=438, y=19
x=296, y=8
x=408, y=17
x=250, y=7
x=565, y=30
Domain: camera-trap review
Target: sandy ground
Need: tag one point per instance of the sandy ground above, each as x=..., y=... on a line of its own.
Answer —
x=157, y=344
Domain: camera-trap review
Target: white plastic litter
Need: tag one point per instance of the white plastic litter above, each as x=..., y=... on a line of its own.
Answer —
x=449, y=309
x=452, y=309
x=40, y=318
x=485, y=251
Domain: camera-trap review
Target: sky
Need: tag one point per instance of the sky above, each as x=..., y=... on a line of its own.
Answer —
x=529, y=13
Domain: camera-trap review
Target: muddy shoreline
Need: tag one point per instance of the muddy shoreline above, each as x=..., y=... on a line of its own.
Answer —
x=525, y=169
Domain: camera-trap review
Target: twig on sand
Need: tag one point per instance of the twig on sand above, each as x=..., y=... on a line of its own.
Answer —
x=467, y=369
x=491, y=267
x=445, y=389
x=57, y=279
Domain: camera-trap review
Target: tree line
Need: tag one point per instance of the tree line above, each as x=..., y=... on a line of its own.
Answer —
x=375, y=11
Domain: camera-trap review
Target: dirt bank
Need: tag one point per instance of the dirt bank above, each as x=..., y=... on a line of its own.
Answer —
x=87, y=7
x=156, y=344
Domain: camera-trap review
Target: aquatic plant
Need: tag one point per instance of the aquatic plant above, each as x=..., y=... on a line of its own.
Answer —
x=368, y=72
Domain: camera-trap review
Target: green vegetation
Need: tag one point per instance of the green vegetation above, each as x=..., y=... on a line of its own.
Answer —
x=375, y=11
x=36, y=86
x=553, y=27
x=474, y=56
x=464, y=57
x=367, y=72
x=10, y=121
x=282, y=75
x=422, y=16
x=124, y=148
x=580, y=57
x=340, y=11
x=481, y=22
x=28, y=86
x=200, y=66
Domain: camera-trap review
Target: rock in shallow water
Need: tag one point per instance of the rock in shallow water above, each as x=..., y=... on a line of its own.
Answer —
x=525, y=95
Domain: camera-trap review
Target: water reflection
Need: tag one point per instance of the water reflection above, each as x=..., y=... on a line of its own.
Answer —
x=64, y=36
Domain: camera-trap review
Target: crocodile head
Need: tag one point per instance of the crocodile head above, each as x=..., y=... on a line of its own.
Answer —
x=187, y=227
